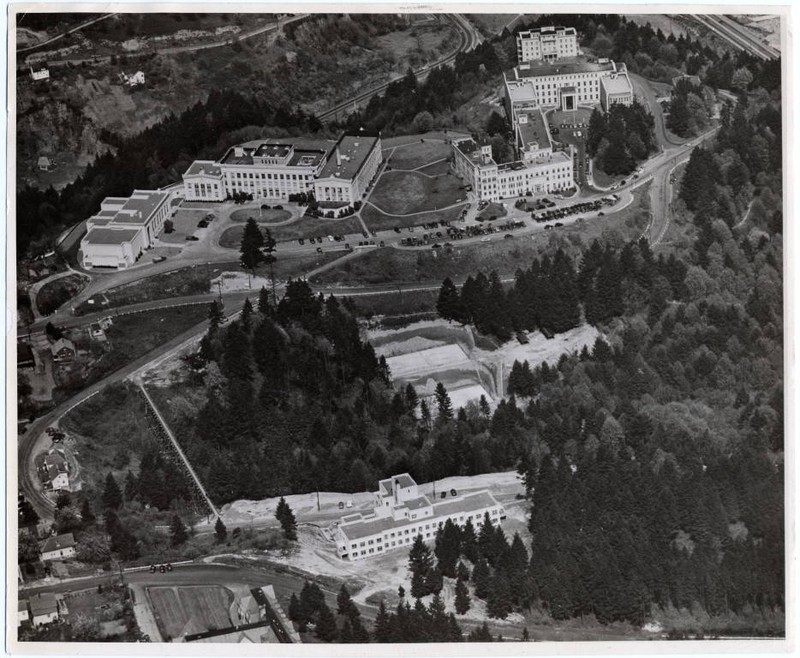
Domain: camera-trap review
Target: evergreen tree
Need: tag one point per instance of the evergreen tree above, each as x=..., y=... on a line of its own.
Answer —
x=326, y=624
x=434, y=581
x=87, y=515
x=215, y=317
x=411, y=397
x=449, y=303
x=112, y=496
x=420, y=563
x=482, y=634
x=469, y=542
x=382, y=624
x=246, y=318
x=462, y=601
x=177, y=531
x=481, y=578
x=220, y=531
x=250, y=249
x=462, y=572
x=345, y=605
x=447, y=548
x=483, y=404
x=63, y=500
x=295, y=612
x=525, y=635
x=498, y=601
x=443, y=403
x=131, y=486
x=285, y=516
x=264, y=306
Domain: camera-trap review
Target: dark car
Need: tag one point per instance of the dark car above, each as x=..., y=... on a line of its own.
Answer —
x=508, y=236
x=319, y=250
x=558, y=225
x=301, y=241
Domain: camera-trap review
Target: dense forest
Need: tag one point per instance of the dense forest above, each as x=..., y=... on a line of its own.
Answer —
x=621, y=137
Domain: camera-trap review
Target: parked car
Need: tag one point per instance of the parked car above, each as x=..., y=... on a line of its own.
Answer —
x=301, y=241
x=159, y=259
x=319, y=250
x=508, y=236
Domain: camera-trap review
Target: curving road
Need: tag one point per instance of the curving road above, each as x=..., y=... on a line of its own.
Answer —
x=469, y=36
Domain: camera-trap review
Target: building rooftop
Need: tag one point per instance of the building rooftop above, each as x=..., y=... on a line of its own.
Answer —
x=57, y=543
x=534, y=131
x=550, y=29
x=24, y=354
x=522, y=91
x=43, y=604
x=565, y=66
x=22, y=606
x=372, y=525
x=140, y=207
x=616, y=84
x=417, y=503
x=207, y=167
x=110, y=235
x=353, y=151
x=305, y=152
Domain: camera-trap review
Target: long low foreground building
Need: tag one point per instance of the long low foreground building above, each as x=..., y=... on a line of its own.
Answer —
x=401, y=513
x=273, y=169
x=124, y=229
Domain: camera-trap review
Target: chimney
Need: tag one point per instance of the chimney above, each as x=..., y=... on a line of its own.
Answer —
x=395, y=490
x=338, y=158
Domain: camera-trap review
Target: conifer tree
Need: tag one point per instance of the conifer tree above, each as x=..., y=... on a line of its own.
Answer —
x=482, y=634
x=177, y=531
x=345, y=605
x=420, y=563
x=382, y=624
x=246, y=318
x=448, y=548
x=220, y=531
x=449, y=302
x=443, y=403
x=462, y=601
x=285, y=516
x=264, y=306
x=112, y=496
x=87, y=516
x=250, y=249
x=481, y=578
x=131, y=486
x=326, y=624
x=462, y=571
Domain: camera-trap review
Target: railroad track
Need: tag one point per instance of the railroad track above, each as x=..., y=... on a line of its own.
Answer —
x=736, y=35
x=469, y=39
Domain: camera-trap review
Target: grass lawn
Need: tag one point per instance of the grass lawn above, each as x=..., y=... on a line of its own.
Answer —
x=421, y=303
x=174, y=606
x=378, y=221
x=305, y=227
x=493, y=211
x=404, y=192
x=435, y=169
x=397, y=265
x=271, y=216
x=418, y=154
x=54, y=294
x=180, y=283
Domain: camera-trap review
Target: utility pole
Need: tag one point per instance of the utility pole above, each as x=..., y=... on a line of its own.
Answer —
x=318, y=507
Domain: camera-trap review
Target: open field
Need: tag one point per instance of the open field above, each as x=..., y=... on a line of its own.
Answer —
x=418, y=154
x=58, y=292
x=182, y=610
x=305, y=227
x=435, y=168
x=271, y=216
x=392, y=305
x=403, y=192
x=400, y=265
x=378, y=221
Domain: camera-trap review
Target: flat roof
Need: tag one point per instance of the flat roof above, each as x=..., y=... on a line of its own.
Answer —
x=110, y=235
x=616, y=84
x=534, y=130
x=354, y=151
x=520, y=91
x=208, y=167
x=547, y=30
x=462, y=504
x=305, y=152
x=565, y=66
x=141, y=201
x=417, y=503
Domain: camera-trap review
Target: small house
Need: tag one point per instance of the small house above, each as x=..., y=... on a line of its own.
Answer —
x=43, y=608
x=44, y=163
x=63, y=350
x=58, y=547
x=22, y=612
x=41, y=74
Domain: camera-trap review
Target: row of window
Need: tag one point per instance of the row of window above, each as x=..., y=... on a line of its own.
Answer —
x=249, y=175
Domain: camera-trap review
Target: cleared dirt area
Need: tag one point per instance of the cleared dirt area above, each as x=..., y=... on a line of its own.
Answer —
x=418, y=154
x=403, y=192
x=182, y=610
x=379, y=221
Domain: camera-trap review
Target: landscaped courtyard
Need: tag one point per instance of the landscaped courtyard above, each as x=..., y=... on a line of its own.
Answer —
x=261, y=215
x=405, y=192
x=419, y=154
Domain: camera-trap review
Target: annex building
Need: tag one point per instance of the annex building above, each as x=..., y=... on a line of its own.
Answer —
x=401, y=513
x=273, y=169
x=124, y=228
x=547, y=44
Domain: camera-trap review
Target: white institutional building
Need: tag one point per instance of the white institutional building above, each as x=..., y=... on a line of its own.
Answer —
x=401, y=513
x=547, y=44
x=337, y=171
x=124, y=228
